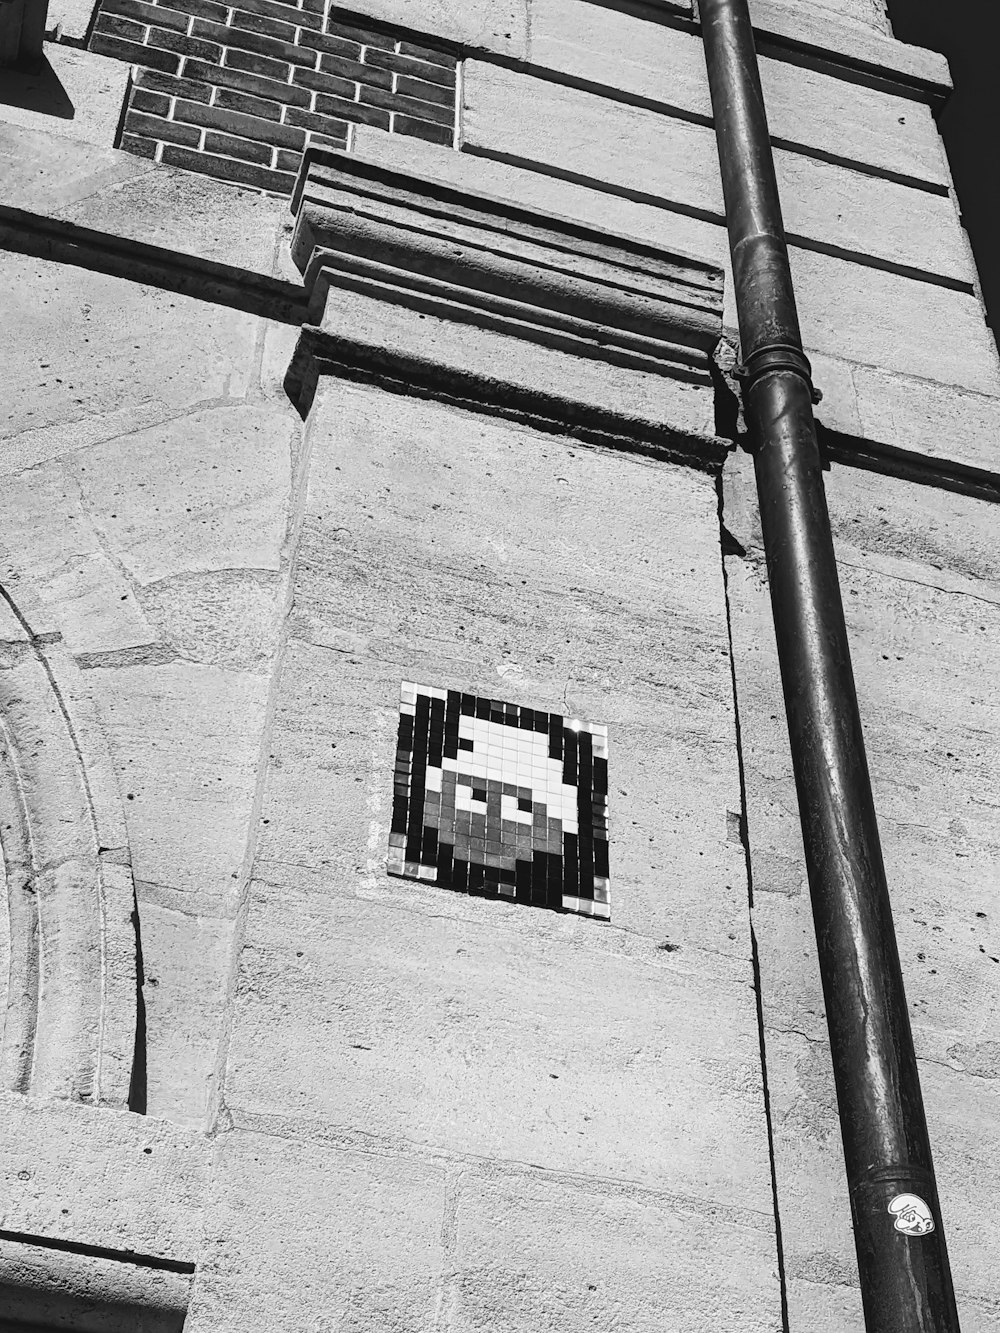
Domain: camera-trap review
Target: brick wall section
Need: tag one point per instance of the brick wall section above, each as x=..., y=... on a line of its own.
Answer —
x=238, y=92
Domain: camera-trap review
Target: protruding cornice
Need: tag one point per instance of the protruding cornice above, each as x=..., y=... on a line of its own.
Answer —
x=619, y=309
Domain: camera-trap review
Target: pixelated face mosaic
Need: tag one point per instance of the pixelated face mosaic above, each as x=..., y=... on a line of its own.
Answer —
x=499, y=800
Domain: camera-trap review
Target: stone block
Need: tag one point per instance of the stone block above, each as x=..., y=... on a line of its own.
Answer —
x=921, y=586
x=187, y=959
x=305, y=1234
x=490, y=25
x=557, y=1254
x=70, y=18
x=206, y=492
x=518, y=578
x=102, y=1178
x=124, y=196
x=629, y=54
x=185, y=741
x=118, y=357
x=834, y=30
x=643, y=153
x=74, y=94
x=897, y=398
x=497, y=1037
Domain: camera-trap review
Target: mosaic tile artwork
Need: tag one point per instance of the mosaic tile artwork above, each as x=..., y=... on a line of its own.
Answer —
x=501, y=801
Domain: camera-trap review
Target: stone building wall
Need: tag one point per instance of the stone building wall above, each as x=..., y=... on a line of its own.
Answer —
x=353, y=347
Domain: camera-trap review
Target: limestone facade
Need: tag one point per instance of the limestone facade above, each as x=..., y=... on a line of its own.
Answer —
x=348, y=347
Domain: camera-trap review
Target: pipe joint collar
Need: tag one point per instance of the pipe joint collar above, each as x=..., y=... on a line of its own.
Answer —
x=776, y=357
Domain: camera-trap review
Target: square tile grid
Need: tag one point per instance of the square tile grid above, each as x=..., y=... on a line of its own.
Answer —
x=499, y=800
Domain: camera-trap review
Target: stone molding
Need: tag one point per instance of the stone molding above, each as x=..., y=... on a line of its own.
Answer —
x=365, y=230
x=69, y=1029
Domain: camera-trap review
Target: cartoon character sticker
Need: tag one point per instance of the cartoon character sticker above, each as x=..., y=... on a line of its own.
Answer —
x=913, y=1217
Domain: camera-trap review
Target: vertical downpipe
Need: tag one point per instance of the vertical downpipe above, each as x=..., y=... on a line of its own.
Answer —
x=903, y=1264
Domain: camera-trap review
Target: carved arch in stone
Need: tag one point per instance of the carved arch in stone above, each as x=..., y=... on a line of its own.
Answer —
x=69, y=1017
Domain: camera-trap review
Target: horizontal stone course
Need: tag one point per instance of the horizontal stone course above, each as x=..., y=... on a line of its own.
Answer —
x=256, y=83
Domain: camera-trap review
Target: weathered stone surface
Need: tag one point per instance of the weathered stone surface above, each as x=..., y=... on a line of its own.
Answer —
x=462, y=550
x=914, y=416
x=881, y=319
x=103, y=1178
x=88, y=1292
x=886, y=321
x=623, y=391
x=491, y=25
x=661, y=157
x=835, y=30
x=922, y=591
x=303, y=1234
x=187, y=955
x=75, y=94
x=130, y=197
x=630, y=54
x=870, y=12
x=485, y=1038
x=201, y=494
x=556, y=1254
x=97, y=357
x=518, y=576
x=69, y=18
x=185, y=739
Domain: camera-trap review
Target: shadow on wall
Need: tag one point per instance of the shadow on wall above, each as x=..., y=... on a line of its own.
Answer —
x=36, y=90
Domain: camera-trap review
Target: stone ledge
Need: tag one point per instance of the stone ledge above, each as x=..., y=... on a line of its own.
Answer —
x=508, y=303
x=417, y=241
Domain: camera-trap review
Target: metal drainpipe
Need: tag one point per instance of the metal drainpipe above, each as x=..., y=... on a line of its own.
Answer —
x=903, y=1264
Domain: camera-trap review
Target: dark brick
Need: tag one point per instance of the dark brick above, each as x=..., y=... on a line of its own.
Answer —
x=426, y=92
x=157, y=104
x=354, y=69
x=250, y=106
x=333, y=46
x=247, y=150
x=172, y=85
x=286, y=13
x=158, y=128
x=251, y=63
x=428, y=53
x=262, y=23
x=326, y=83
x=130, y=143
x=286, y=161
x=159, y=15
x=421, y=129
x=311, y=120
x=419, y=69
x=381, y=40
x=440, y=115
x=206, y=9
x=247, y=127
x=228, y=169
x=254, y=41
x=135, y=54
x=113, y=26
x=184, y=45
x=224, y=76
x=365, y=115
